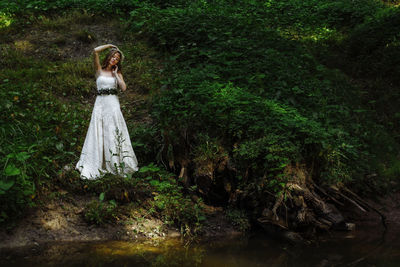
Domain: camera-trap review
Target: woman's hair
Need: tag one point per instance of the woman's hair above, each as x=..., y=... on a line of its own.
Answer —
x=109, y=56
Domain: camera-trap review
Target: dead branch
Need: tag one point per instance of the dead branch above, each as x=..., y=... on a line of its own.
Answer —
x=328, y=195
x=337, y=191
x=383, y=217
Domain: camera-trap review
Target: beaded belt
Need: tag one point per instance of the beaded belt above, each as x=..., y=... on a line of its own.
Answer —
x=107, y=91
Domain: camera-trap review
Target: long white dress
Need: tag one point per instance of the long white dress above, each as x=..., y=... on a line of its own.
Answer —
x=107, y=147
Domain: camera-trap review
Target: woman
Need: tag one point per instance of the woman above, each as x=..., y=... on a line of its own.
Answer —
x=107, y=146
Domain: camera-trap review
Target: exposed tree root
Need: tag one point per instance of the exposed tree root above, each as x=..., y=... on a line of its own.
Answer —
x=301, y=206
x=337, y=191
x=360, y=200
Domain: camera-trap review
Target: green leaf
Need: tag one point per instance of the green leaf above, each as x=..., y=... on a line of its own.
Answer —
x=6, y=185
x=154, y=182
x=149, y=168
x=101, y=197
x=60, y=146
x=12, y=170
x=113, y=203
x=22, y=156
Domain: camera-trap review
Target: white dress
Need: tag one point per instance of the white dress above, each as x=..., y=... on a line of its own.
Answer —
x=107, y=147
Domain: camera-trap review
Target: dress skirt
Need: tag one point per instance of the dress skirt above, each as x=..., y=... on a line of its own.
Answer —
x=107, y=147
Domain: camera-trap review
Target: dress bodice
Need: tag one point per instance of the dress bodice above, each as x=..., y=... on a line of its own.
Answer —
x=103, y=82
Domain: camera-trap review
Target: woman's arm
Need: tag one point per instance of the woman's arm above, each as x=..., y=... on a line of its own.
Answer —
x=120, y=79
x=96, y=51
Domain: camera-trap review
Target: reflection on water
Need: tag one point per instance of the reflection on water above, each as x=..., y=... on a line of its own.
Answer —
x=360, y=248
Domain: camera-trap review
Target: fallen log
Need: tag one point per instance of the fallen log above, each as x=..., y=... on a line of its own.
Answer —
x=337, y=191
x=383, y=217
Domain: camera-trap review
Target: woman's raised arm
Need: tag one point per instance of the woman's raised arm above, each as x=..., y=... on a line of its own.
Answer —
x=96, y=51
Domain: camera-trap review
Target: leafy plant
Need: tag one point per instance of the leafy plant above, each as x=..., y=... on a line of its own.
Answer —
x=100, y=212
x=238, y=219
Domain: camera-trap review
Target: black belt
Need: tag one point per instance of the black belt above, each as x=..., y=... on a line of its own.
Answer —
x=107, y=91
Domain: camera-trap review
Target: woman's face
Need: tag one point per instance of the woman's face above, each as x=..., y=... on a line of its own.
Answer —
x=115, y=59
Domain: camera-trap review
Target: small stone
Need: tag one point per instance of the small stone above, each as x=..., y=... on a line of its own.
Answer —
x=350, y=226
x=67, y=168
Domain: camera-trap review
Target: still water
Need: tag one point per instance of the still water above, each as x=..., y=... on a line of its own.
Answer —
x=362, y=247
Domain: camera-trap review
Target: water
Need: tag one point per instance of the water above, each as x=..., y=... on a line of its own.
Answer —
x=363, y=247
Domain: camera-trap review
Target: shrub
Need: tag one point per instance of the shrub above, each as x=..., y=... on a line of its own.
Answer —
x=100, y=212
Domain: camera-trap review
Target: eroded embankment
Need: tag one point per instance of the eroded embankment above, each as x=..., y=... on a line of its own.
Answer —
x=63, y=219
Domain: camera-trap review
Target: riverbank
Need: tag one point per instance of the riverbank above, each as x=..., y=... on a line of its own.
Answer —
x=361, y=247
x=63, y=220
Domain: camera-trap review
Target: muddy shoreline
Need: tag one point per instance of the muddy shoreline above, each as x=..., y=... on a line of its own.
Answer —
x=62, y=220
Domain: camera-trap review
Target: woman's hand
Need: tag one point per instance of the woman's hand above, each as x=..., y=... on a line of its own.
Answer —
x=115, y=71
x=120, y=79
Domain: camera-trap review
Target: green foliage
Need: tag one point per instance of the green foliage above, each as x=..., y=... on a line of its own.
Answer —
x=238, y=219
x=393, y=172
x=242, y=82
x=156, y=189
x=120, y=188
x=17, y=188
x=100, y=212
x=43, y=127
x=38, y=132
x=24, y=7
x=169, y=201
x=374, y=46
x=302, y=16
x=5, y=20
x=370, y=55
x=146, y=141
x=234, y=76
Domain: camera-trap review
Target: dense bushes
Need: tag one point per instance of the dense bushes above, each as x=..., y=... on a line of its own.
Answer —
x=369, y=54
x=26, y=7
x=234, y=78
x=374, y=46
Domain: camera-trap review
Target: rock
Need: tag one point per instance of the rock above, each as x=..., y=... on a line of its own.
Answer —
x=68, y=168
x=344, y=226
x=281, y=232
x=350, y=226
